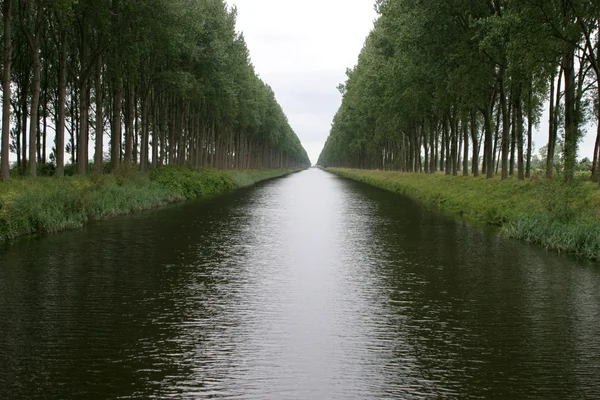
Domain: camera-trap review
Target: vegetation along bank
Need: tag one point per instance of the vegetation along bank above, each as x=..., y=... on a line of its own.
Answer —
x=559, y=216
x=48, y=204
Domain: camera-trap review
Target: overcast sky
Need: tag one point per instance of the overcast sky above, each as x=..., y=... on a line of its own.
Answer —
x=302, y=49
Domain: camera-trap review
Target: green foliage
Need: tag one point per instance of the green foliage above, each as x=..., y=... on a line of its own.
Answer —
x=430, y=66
x=575, y=235
x=48, y=204
x=248, y=178
x=193, y=183
x=168, y=60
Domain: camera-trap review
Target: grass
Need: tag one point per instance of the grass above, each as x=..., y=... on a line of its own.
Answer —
x=45, y=204
x=559, y=216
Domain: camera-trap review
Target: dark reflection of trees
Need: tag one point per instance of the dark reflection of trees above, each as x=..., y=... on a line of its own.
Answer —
x=92, y=313
x=484, y=316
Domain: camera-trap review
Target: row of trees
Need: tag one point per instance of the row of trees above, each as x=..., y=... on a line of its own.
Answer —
x=440, y=83
x=167, y=81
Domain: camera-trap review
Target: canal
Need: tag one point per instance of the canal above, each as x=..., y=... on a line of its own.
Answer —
x=305, y=287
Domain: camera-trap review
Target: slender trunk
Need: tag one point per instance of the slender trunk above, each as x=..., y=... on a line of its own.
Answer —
x=571, y=128
x=144, y=138
x=454, y=132
x=155, y=131
x=45, y=118
x=465, y=127
x=505, y=127
x=475, y=139
x=99, y=158
x=529, y=132
x=596, y=147
x=495, y=156
x=24, y=119
x=443, y=148
x=553, y=133
x=62, y=103
x=518, y=109
x=5, y=165
x=129, y=129
x=513, y=137
x=116, y=127
x=598, y=154
x=489, y=161
x=83, y=127
x=37, y=68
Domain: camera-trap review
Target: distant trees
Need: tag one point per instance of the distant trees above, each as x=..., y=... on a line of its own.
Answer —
x=439, y=82
x=169, y=82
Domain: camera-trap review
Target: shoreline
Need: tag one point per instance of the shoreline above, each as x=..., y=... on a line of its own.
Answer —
x=48, y=204
x=557, y=216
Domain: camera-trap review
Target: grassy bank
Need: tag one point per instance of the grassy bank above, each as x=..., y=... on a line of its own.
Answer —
x=38, y=205
x=559, y=216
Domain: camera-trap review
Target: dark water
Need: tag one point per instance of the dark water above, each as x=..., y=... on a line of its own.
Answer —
x=307, y=287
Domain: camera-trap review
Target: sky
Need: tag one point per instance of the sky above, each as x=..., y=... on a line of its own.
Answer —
x=302, y=49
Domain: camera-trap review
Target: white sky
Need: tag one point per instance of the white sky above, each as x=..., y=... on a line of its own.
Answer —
x=302, y=49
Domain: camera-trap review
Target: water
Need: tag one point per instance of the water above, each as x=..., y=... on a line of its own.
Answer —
x=306, y=287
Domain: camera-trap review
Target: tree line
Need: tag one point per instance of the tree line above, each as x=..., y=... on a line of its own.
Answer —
x=167, y=81
x=459, y=85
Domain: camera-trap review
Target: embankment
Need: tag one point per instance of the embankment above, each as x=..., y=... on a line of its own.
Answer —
x=559, y=216
x=39, y=205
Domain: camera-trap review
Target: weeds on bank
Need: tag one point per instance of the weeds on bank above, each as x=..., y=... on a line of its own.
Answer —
x=49, y=204
x=192, y=183
x=560, y=216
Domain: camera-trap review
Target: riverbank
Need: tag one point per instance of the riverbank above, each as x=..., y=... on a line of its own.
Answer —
x=40, y=205
x=561, y=217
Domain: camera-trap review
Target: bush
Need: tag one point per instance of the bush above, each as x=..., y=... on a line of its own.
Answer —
x=193, y=183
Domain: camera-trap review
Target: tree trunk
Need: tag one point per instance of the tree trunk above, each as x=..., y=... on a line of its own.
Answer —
x=5, y=164
x=129, y=129
x=98, y=157
x=571, y=127
x=489, y=160
x=553, y=134
x=24, y=118
x=155, y=132
x=465, y=128
x=116, y=127
x=518, y=109
x=598, y=156
x=475, y=140
x=529, y=133
x=144, y=139
x=35, y=99
x=505, y=127
x=82, y=141
x=62, y=103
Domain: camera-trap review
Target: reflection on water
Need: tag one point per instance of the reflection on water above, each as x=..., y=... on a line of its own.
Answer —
x=307, y=287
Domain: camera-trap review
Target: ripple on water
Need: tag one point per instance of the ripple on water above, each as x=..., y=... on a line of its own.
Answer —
x=308, y=287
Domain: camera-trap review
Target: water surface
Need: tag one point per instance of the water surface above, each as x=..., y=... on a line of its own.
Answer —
x=306, y=287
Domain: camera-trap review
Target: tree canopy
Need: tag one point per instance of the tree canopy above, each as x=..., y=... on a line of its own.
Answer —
x=167, y=81
x=460, y=84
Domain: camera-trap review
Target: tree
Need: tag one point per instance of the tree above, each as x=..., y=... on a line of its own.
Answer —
x=6, y=90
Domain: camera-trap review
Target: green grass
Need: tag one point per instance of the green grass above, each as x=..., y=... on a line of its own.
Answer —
x=39, y=205
x=249, y=178
x=559, y=216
